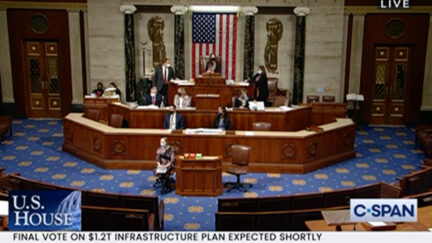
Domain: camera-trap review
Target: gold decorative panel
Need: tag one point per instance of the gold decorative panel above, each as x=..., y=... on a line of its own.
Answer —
x=401, y=54
x=155, y=27
x=51, y=49
x=33, y=48
x=274, y=29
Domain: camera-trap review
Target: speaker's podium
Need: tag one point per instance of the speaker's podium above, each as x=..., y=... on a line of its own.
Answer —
x=210, y=79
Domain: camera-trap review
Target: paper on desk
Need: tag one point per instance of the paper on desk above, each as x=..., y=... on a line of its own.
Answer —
x=375, y=224
x=249, y=133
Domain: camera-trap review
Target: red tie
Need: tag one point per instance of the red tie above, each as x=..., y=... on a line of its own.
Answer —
x=153, y=100
x=165, y=76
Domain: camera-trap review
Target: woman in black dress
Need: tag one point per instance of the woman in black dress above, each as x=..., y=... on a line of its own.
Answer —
x=260, y=81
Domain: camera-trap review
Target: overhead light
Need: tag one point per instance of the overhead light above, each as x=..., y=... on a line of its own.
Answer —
x=214, y=8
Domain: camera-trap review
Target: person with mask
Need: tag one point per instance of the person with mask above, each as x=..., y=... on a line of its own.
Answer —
x=165, y=163
x=162, y=76
x=99, y=90
x=222, y=119
x=242, y=101
x=117, y=91
x=152, y=99
x=182, y=99
x=260, y=81
x=173, y=120
x=213, y=65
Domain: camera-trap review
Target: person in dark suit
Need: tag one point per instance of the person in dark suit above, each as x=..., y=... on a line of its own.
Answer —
x=162, y=75
x=152, y=99
x=99, y=90
x=242, y=101
x=260, y=81
x=173, y=120
x=213, y=65
x=222, y=119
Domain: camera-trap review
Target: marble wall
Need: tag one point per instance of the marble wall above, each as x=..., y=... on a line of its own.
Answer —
x=285, y=70
x=141, y=36
x=427, y=82
x=5, y=61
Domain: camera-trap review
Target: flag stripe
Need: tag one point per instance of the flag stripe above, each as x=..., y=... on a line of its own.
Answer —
x=234, y=47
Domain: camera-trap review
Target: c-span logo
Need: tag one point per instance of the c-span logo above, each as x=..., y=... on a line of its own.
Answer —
x=388, y=210
x=45, y=210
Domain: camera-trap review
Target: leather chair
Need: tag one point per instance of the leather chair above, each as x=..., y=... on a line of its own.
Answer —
x=5, y=126
x=116, y=120
x=312, y=98
x=328, y=98
x=279, y=101
x=92, y=114
x=239, y=166
x=272, y=87
x=261, y=126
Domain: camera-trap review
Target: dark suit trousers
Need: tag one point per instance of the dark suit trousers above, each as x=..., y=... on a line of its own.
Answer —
x=164, y=93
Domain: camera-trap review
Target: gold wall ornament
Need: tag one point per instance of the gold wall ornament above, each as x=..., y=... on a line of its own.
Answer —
x=274, y=29
x=155, y=27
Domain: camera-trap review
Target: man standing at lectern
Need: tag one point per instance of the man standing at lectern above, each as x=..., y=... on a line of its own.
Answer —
x=163, y=74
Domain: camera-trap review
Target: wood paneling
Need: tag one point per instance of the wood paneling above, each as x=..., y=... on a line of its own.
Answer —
x=58, y=31
x=199, y=177
x=415, y=37
x=297, y=152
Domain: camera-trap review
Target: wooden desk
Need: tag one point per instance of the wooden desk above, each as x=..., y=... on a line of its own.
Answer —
x=209, y=96
x=293, y=120
x=280, y=152
x=424, y=217
x=199, y=177
x=209, y=79
x=99, y=103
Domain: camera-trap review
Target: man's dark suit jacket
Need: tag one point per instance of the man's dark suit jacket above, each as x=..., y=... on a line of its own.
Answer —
x=158, y=79
x=147, y=100
x=179, y=121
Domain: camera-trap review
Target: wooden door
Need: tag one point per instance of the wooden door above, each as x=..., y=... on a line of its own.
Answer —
x=390, y=81
x=41, y=74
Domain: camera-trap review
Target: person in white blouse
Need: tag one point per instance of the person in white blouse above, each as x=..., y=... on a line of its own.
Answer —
x=182, y=99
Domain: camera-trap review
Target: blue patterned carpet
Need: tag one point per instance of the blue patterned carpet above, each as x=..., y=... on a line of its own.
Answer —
x=383, y=153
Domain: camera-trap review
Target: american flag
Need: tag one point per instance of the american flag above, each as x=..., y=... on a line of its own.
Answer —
x=214, y=32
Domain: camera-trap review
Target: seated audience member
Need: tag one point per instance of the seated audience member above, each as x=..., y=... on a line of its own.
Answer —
x=165, y=159
x=99, y=91
x=222, y=119
x=242, y=101
x=117, y=91
x=182, y=99
x=152, y=99
x=173, y=120
x=212, y=66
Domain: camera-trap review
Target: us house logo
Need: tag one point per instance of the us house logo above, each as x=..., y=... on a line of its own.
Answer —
x=394, y=4
x=44, y=210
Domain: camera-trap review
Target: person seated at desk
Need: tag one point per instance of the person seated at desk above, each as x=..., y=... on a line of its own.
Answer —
x=165, y=159
x=99, y=90
x=222, y=119
x=260, y=81
x=182, y=99
x=152, y=99
x=117, y=91
x=173, y=120
x=213, y=65
x=242, y=101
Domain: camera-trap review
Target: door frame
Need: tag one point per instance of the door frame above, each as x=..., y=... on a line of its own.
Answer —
x=415, y=35
x=20, y=31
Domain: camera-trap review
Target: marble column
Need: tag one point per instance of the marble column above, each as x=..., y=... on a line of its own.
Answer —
x=128, y=11
x=179, y=55
x=249, y=45
x=299, y=54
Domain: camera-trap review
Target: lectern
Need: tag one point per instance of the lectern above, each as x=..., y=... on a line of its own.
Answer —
x=199, y=177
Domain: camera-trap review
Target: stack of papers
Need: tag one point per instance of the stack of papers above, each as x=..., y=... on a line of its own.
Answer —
x=355, y=97
x=204, y=131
